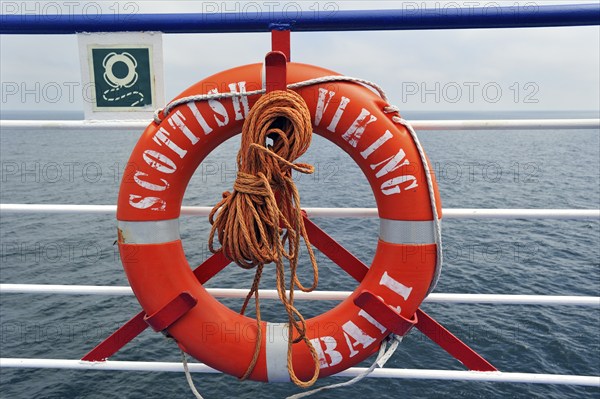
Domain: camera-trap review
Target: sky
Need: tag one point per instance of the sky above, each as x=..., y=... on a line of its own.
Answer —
x=533, y=69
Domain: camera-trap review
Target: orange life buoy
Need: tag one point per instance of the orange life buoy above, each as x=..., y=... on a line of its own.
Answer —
x=351, y=116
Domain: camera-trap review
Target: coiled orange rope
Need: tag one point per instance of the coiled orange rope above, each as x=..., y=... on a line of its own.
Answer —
x=262, y=216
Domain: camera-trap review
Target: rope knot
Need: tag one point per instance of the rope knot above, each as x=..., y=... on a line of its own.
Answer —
x=260, y=222
x=256, y=185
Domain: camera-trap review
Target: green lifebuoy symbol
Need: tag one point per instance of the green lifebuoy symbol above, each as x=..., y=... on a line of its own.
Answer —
x=122, y=77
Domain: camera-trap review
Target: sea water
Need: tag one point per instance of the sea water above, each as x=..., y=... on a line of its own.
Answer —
x=475, y=169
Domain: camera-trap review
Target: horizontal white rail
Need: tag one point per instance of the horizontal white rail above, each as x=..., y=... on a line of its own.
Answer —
x=514, y=124
x=328, y=212
x=522, y=214
x=528, y=124
x=74, y=124
x=55, y=208
x=547, y=300
x=452, y=375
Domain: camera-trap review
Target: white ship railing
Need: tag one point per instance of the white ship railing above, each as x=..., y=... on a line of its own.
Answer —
x=577, y=15
x=493, y=124
x=453, y=213
x=497, y=299
x=424, y=374
x=452, y=375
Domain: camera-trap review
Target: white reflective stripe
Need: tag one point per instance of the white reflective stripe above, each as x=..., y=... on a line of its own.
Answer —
x=152, y=232
x=407, y=231
x=276, y=352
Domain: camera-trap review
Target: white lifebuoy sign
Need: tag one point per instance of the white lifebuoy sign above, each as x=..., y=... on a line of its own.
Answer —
x=122, y=73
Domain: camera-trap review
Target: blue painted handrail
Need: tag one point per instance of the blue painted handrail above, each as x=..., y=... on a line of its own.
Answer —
x=402, y=19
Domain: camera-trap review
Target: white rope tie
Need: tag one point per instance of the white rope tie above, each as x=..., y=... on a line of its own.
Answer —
x=337, y=78
x=198, y=98
x=383, y=355
x=218, y=96
x=188, y=376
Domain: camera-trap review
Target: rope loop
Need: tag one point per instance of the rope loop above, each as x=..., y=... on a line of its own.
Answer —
x=261, y=221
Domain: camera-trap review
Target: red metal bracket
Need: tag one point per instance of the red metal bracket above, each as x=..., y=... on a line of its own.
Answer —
x=386, y=316
x=334, y=251
x=171, y=312
x=137, y=324
x=159, y=321
x=426, y=324
x=117, y=340
x=451, y=344
x=353, y=266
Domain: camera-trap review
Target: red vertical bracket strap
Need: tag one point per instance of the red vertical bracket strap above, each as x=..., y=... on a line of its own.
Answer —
x=425, y=323
x=280, y=41
x=137, y=324
x=275, y=71
x=277, y=59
